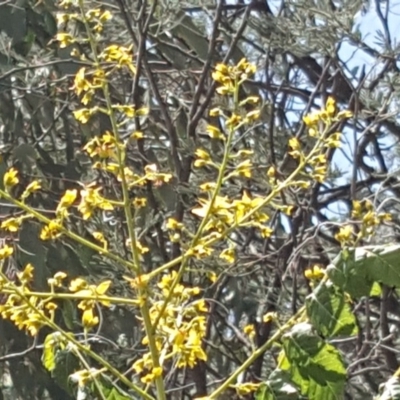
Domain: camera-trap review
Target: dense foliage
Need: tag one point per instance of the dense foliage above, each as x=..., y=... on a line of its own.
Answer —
x=198, y=200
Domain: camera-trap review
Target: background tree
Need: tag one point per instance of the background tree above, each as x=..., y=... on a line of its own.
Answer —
x=299, y=48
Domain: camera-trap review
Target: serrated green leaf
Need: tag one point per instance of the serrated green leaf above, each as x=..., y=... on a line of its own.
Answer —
x=279, y=386
x=345, y=273
x=314, y=365
x=329, y=312
x=355, y=270
x=381, y=262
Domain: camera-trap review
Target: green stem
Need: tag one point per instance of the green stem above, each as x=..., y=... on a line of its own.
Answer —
x=209, y=211
x=257, y=353
x=144, y=309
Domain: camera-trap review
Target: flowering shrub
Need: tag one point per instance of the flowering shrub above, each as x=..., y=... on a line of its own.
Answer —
x=174, y=315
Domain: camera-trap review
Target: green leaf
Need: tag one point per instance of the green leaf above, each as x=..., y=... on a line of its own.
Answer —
x=66, y=364
x=314, y=365
x=348, y=275
x=278, y=387
x=381, y=262
x=329, y=312
x=390, y=390
x=355, y=270
x=116, y=395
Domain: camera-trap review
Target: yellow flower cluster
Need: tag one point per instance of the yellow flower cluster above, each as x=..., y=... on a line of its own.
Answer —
x=180, y=326
x=24, y=310
x=88, y=84
x=231, y=76
x=102, y=147
x=318, y=124
x=226, y=212
x=94, y=17
x=81, y=288
x=368, y=220
x=316, y=121
x=92, y=200
x=364, y=212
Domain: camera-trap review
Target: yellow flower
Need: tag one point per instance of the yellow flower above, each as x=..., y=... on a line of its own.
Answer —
x=139, y=282
x=294, y=144
x=100, y=237
x=212, y=276
x=173, y=224
x=315, y=273
x=157, y=371
x=10, y=178
x=199, y=163
x=228, y=255
x=66, y=201
x=121, y=55
x=81, y=84
x=224, y=90
x=207, y=186
x=385, y=217
x=215, y=112
x=244, y=169
x=5, y=252
x=11, y=224
x=222, y=68
x=214, y=132
x=344, y=235
x=78, y=284
x=51, y=231
x=31, y=188
x=199, y=251
x=202, y=154
x=137, y=135
x=142, y=249
x=249, y=100
x=139, y=202
x=65, y=39
x=58, y=278
x=330, y=106
x=233, y=121
x=91, y=200
x=268, y=317
x=83, y=115
x=253, y=116
x=201, y=306
x=88, y=318
x=26, y=275
x=271, y=172
x=244, y=389
x=311, y=119
x=249, y=330
x=265, y=231
x=333, y=141
x=344, y=114
x=105, y=16
x=62, y=18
